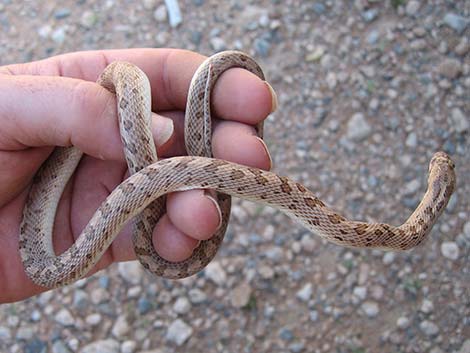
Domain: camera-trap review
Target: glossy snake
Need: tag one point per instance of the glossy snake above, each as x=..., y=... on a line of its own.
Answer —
x=143, y=194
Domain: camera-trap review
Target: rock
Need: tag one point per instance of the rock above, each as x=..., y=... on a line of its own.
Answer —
x=64, y=317
x=319, y=8
x=388, y=258
x=377, y=292
x=174, y=13
x=25, y=332
x=266, y=272
x=104, y=281
x=218, y=44
x=403, y=322
x=102, y=346
x=5, y=333
x=179, y=332
x=134, y=292
x=131, y=271
x=264, y=20
x=370, y=15
x=88, y=19
x=305, y=293
x=426, y=306
x=36, y=315
x=313, y=315
x=149, y=4
x=450, y=250
x=35, y=346
x=44, y=31
x=274, y=253
x=465, y=347
x=461, y=122
x=308, y=243
x=58, y=35
x=182, y=305
x=463, y=47
x=120, y=327
x=373, y=37
x=360, y=292
x=315, y=55
x=412, y=7
x=144, y=305
x=286, y=334
x=418, y=44
x=466, y=229
x=412, y=140
x=60, y=347
x=262, y=47
x=411, y=187
x=240, y=295
x=429, y=328
x=93, y=319
x=297, y=347
x=128, y=346
x=331, y=80
x=196, y=37
x=80, y=299
x=358, y=128
x=216, y=273
x=456, y=22
x=450, y=68
x=371, y=309
x=197, y=296
x=62, y=13
x=160, y=14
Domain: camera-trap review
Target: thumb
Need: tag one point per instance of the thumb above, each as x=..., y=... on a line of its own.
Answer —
x=37, y=112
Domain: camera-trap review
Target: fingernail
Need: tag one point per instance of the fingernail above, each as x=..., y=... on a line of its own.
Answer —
x=163, y=129
x=266, y=151
x=274, y=101
x=210, y=194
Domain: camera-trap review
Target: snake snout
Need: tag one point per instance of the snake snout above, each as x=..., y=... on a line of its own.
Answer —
x=441, y=159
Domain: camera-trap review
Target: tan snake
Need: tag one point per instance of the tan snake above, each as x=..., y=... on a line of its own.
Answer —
x=143, y=194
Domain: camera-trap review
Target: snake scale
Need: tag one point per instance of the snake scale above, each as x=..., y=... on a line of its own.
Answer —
x=142, y=196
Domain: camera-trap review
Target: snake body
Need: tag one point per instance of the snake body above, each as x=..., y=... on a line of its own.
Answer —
x=142, y=196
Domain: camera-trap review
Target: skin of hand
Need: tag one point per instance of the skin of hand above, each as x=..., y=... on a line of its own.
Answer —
x=56, y=102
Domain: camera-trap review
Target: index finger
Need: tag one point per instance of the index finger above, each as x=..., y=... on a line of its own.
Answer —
x=239, y=96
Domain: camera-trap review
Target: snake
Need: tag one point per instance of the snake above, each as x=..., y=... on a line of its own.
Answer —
x=141, y=197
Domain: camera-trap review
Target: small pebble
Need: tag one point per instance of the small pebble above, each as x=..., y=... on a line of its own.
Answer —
x=64, y=317
x=450, y=250
x=403, y=322
x=101, y=346
x=426, y=306
x=450, y=68
x=358, y=127
x=305, y=293
x=62, y=13
x=240, y=295
x=160, y=14
x=182, y=305
x=456, y=22
x=218, y=44
x=131, y=271
x=128, y=347
x=179, y=332
x=215, y=272
x=429, y=328
x=371, y=309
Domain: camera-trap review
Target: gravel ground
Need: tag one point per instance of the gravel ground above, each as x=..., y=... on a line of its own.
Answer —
x=368, y=91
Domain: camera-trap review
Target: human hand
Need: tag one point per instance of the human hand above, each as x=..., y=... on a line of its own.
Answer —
x=56, y=102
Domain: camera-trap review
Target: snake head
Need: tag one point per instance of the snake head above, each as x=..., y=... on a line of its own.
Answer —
x=441, y=159
x=442, y=171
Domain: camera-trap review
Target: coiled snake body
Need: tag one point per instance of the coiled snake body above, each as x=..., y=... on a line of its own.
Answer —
x=142, y=195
